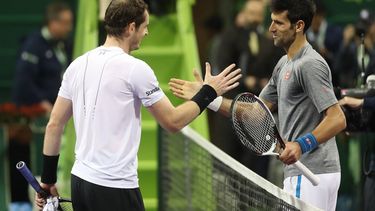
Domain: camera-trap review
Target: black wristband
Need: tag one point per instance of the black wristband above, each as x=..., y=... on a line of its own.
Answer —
x=49, y=172
x=204, y=97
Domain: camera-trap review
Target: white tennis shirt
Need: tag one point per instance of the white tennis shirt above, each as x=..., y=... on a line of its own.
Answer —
x=107, y=88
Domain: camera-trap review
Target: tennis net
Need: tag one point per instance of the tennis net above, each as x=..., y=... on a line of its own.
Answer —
x=196, y=175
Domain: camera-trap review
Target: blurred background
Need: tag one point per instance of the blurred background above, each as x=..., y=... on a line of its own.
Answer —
x=183, y=34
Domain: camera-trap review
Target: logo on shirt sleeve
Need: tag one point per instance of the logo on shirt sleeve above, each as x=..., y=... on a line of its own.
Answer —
x=152, y=91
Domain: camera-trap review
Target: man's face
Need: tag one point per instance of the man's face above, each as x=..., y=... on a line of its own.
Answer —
x=139, y=33
x=62, y=26
x=254, y=13
x=316, y=22
x=283, y=31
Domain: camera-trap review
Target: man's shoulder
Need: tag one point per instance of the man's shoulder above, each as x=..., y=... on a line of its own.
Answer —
x=134, y=61
x=34, y=38
x=312, y=57
x=281, y=61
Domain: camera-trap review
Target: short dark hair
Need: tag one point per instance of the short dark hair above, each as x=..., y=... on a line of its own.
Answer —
x=54, y=9
x=320, y=7
x=297, y=10
x=120, y=13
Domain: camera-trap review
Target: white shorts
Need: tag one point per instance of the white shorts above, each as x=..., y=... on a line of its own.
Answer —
x=323, y=196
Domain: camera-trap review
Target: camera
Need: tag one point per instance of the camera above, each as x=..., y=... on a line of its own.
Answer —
x=359, y=120
x=364, y=22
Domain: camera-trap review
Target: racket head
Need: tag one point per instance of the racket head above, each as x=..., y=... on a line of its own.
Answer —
x=254, y=125
x=65, y=204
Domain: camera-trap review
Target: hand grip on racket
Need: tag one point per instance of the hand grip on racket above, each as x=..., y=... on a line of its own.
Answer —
x=26, y=173
x=63, y=203
x=256, y=128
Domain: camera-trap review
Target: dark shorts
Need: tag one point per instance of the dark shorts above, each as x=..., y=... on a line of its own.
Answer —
x=87, y=196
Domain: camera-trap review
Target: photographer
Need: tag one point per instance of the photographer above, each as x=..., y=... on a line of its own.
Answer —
x=369, y=186
x=357, y=53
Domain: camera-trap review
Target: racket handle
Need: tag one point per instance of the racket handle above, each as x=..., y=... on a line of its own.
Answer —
x=307, y=173
x=26, y=173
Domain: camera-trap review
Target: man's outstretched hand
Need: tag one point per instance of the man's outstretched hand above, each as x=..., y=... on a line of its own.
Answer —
x=222, y=82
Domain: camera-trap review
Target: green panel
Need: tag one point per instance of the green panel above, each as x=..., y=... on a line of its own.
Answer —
x=4, y=181
x=148, y=147
x=13, y=34
x=148, y=178
x=161, y=31
x=7, y=71
x=5, y=93
x=20, y=8
x=38, y=127
x=346, y=11
x=165, y=67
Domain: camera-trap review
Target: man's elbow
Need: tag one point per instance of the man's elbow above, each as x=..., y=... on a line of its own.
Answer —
x=173, y=128
x=54, y=126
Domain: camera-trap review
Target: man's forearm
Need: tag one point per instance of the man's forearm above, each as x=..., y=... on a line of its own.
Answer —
x=224, y=108
x=52, y=139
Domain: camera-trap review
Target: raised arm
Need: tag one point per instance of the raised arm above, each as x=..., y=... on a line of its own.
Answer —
x=174, y=118
x=187, y=89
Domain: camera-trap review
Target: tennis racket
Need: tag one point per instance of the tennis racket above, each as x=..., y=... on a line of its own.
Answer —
x=256, y=129
x=63, y=203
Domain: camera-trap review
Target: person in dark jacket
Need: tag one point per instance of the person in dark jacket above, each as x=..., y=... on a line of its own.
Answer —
x=43, y=57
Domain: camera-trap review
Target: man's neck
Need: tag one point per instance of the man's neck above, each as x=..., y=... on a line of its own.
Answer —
x=116, y=42
x=296, y=46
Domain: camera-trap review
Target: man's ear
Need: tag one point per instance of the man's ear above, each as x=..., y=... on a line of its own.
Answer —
x=129, y=29
x=132, y=27
x=300, y=25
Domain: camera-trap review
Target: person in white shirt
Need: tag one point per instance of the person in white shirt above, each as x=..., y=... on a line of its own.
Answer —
x=104, y=90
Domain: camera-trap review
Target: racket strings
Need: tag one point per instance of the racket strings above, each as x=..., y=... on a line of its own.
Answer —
x=65, y=206
x=253, y=124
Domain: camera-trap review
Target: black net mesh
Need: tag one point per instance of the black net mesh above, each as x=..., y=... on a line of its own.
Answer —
x=192, y=178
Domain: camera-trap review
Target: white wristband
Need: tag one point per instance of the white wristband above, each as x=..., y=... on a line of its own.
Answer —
x=215, y=105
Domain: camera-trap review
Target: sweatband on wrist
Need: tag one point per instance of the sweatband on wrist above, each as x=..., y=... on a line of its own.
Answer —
x=204, y=97
x=49, y=171
x=215, y=105
x=307, y=142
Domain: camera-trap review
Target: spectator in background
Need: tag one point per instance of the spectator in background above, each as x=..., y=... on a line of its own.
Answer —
x=349, y=65
x=246, y=45
x=325, y=37
x=371, y=36
x=369, y=185
x=351, y=60
x=214, y=24
x=43, y=56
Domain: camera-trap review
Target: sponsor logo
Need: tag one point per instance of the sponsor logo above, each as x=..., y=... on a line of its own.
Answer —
x=148, y=93
x=308, y=141
x=287, y=75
